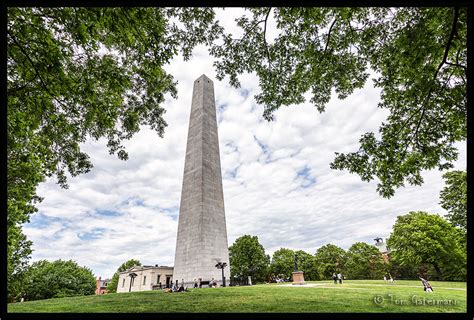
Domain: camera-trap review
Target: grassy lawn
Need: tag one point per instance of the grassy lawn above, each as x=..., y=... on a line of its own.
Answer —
x=317, y=296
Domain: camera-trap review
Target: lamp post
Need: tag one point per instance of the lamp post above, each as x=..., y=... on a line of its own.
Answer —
x=132, y=276
x=222, y=265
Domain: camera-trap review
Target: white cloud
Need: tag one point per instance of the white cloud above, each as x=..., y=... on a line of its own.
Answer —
x=276, y=178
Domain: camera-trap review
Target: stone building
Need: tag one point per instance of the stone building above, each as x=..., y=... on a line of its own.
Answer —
x=146, y=278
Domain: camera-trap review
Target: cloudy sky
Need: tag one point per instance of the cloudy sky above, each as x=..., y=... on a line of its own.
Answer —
x=276, y=179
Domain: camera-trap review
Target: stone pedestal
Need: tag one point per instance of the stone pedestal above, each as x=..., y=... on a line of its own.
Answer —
x=298, y=277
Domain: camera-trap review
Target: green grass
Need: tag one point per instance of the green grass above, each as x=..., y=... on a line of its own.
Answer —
x=351, y=296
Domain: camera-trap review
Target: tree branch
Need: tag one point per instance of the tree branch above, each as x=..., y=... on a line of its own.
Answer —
x=264, y=37
x=34, y=68
x=456, y=65
x=19, y=88
x=450, y=39
x=29, y=59
x=251, y=29
x=329, y=34
x=445, y=56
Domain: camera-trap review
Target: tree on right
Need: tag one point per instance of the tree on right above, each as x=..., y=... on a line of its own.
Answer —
x=419, y=60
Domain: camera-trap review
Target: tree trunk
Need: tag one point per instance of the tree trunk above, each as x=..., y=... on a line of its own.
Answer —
x=438, y=271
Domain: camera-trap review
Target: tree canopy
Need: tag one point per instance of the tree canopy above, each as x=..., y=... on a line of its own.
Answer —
x=84, y=73
x=58, y=279
x=365, y=261
x=420, y=59
x=454, y=198
x=247, y=258
x=283, y=263
x=330, y=259
x=306, y=263
x=424, y=240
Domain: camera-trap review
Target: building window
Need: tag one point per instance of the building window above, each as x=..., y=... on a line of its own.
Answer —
x=144, y=280
x=123, y=283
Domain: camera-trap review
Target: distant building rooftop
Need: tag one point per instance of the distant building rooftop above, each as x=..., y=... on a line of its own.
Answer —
x=381, y=245
x=140, y=268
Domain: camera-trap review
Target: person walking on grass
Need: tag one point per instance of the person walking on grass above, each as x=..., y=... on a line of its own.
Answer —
x=391, y=279
x=339, y=277
x=334, y=277
x=426, y=285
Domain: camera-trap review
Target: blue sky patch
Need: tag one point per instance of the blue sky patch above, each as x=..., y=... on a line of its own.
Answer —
x=262, y=146
x=244, y=92
x=222, y=107
x=108, y=213
x=40, y=220
x=171, y=209
x=265, y=150
x=231, y=174
x=93, y=235
x=134, y=201
x=307, y=179
x=232, y=146
x=172, y=212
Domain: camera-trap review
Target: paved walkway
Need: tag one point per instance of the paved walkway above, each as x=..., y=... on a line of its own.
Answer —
x=322, y=285
x=326, y=285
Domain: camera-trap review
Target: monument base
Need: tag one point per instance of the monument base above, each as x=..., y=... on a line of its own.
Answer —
x=298, y=277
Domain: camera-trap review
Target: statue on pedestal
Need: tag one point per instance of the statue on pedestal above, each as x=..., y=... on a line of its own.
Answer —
x=298, y=276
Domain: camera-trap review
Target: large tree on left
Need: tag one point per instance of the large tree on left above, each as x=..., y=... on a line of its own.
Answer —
x=58, y=279
x=84, y=73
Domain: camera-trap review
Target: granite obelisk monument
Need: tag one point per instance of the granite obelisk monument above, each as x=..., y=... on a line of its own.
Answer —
x=202, y=236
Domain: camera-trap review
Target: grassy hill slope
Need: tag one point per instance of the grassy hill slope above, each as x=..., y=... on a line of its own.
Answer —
x=322, y=296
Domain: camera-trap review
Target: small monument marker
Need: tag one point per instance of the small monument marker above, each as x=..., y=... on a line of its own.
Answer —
x=298, y=276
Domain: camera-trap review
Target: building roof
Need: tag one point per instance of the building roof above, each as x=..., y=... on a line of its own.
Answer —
x=381, y=245
x=141, y=268
x=103, y=282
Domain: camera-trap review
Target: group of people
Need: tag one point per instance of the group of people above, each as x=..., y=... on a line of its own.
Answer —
x=337, y=278
x=390, y=279
x=213, y=283
x=175, y=288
